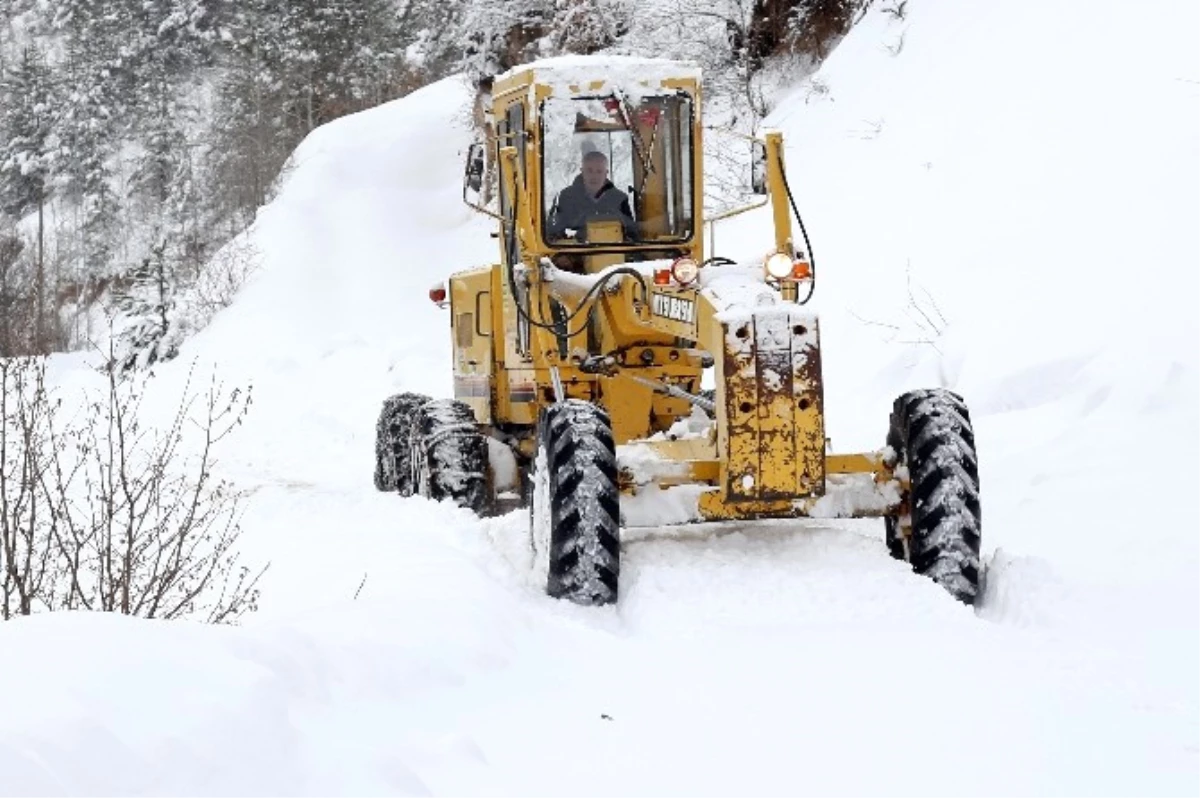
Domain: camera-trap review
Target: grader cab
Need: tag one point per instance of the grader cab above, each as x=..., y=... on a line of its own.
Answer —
x=580, y=357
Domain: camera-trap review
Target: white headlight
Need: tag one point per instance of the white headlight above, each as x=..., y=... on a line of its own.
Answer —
x=779, y=266
x=685, y=270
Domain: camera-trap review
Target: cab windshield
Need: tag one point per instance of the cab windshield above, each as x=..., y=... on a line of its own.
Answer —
x=611, y=159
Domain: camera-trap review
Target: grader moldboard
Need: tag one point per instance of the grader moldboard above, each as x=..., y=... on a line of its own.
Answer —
x=578, y=354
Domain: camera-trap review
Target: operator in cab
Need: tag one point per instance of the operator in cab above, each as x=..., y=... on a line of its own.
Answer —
x=591, y=196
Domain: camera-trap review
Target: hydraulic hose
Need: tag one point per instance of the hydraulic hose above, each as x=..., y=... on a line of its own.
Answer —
x=585, y=302
x=812, y=260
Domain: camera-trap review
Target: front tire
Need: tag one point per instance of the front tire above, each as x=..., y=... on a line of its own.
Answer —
x=576, y=503
x=931, y=434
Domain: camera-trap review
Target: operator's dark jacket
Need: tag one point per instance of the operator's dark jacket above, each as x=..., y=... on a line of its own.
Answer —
x=575, y=207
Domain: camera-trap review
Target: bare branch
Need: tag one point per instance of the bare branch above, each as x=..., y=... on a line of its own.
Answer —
x=110, y=512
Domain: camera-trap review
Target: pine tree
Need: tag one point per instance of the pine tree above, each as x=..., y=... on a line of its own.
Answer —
x=376, y=68
x=27, y=123
x=435, y=27
x=26, y=126
x=588, y=26
x=250, y=140
x=500, y=35
x=148, y=301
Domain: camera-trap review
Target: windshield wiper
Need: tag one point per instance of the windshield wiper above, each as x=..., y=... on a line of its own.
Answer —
x=624, y=106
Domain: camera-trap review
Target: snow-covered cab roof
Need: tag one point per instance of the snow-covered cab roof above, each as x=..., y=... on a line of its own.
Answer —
x=597, y=74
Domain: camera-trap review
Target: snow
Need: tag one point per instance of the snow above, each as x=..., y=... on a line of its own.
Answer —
x=698, y=424
x=503, y=464
x=634, y=75
x=1031, y=165
x=644, y=464
x=847, y=494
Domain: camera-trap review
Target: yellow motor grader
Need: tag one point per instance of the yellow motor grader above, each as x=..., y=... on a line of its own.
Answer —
x=579, y=356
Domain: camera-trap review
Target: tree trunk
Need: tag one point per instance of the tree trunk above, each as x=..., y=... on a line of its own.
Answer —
x=39, y=326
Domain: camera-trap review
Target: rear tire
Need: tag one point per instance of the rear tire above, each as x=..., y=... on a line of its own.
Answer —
x=393, y=471
x=449, y=455
x=931, y=433
x=576, y=504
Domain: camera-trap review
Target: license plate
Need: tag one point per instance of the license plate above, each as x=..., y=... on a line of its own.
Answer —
x=674, y=308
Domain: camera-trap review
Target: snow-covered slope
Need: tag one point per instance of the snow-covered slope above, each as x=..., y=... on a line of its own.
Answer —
x=1031, y=166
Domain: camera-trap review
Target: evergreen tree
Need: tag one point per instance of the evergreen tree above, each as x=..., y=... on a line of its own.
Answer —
x=435, y=28
x=250, y=140
x=87, y=135
x=26, y=134
x=25, y=158
x=588, y=26
x=500, y=35
x=148, y=302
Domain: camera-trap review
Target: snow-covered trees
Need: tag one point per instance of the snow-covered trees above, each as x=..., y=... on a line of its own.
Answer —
x=153, y=130
x=25, y=116
x=286, y=69
x=588, y=26
x=25, y=168
x=816, y=26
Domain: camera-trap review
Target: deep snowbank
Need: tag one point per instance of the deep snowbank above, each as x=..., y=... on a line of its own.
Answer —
x=338, y=317
x=1030, y=177
x=1033, y=163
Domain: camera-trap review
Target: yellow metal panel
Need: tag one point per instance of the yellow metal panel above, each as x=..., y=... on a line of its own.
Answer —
x=773, y=406
x=516, y=396
x=698, y=448
x=604, y=231
x=808, y=402
x=776, y=422
x=695, y=458
x=473, y=358
x=713, y=508
x=871, y=462
x=675, y=310
x=628, y=404
x=741, y=412
x=780, y=208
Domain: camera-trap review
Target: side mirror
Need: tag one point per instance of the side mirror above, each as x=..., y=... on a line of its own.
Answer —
x=473, y=178
x=758, y=168
x=473, y=181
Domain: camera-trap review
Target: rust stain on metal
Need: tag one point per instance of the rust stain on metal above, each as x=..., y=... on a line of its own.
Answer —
x=810, y=407
x=774, y=398
x=741, y=411
x=777, y=431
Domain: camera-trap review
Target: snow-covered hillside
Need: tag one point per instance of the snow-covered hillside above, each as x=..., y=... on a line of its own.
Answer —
x=1025, y=172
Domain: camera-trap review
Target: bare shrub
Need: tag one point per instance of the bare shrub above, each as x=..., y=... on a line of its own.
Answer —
x=922, y=322
x=919, y=326
x=816, y=88
x=898, y=10
x=896, y=45
x=28, y=466
x=217, y=285
x=101, y=511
